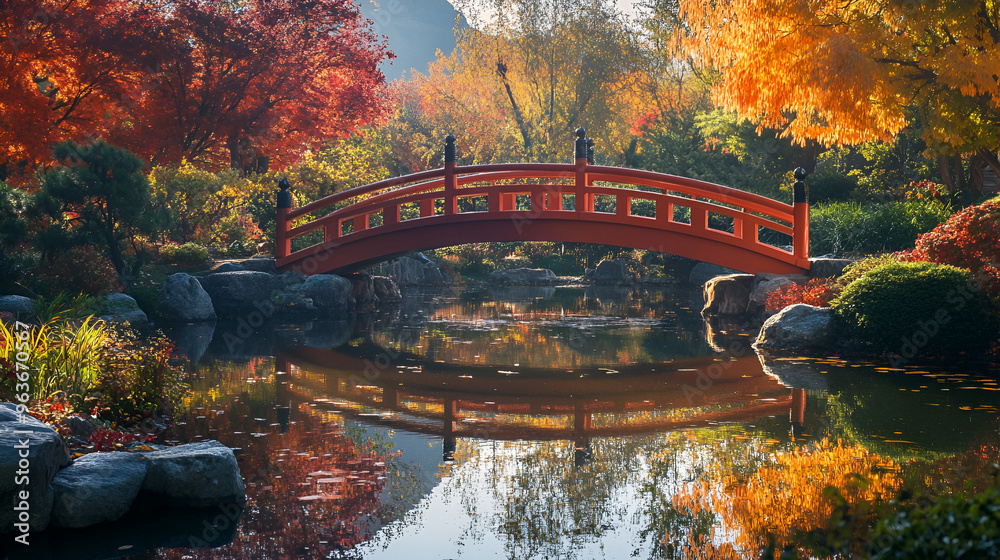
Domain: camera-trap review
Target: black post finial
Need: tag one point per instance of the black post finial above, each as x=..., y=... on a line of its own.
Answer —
x=581, y=143
x=450, y=151
x=800, y=193
x=284, y=195
x=590, y=151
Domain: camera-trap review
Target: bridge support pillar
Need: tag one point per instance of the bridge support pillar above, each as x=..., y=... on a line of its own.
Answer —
x=282, y=244
x=800, y=217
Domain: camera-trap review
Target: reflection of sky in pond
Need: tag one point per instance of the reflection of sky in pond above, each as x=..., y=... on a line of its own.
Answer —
x=546, y=464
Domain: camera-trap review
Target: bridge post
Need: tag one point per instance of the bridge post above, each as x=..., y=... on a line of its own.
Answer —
x=450, y=161
x=282, y=245
x=800, y=216
x=581, y=199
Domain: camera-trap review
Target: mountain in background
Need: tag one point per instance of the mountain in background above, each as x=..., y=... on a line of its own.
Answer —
x=415, y=30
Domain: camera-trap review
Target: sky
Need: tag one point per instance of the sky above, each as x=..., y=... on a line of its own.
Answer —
x=628, y=7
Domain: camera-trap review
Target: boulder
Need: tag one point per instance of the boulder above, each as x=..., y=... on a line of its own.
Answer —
x=763, y=288
x=329, y=293
x=728, y=295
x=385, y=289
x=199, y=474
x=229, y=267
x=79, y=426
x=182, y=298
x=238, y=293
x=797, y=327
x=524, y=276
x=615, y=271
x=703, y=272
x=433, y=274
x=121, y=308
x=18, y=305
x=827, y=268
x=97, y=488
x=363, y=290
x=46, y=454
x=260, y=264
x=407, y=271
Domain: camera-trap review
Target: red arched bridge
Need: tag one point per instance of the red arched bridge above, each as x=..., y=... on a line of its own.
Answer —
x=578, y=202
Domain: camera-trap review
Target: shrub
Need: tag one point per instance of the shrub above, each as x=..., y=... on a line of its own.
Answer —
x=951, y=527
x=857, y=269
x=147, y=298
x=852, y=227
x=904, y=306
x=188, y=255
x=818, y=292
x=830, y=186
x=967, y=240
x=78, y=269
x=62, y=356
x=137, y=379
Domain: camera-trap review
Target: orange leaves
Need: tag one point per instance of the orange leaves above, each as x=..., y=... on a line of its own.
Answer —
x=846, y=72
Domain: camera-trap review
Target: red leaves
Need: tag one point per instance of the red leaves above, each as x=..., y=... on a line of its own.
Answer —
x=969, y=239
x=818, y=292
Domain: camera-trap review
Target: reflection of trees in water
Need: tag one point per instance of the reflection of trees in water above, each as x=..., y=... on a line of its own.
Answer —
x=313, y=491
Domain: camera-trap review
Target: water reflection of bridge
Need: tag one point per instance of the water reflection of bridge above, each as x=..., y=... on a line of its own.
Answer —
x=408, y=392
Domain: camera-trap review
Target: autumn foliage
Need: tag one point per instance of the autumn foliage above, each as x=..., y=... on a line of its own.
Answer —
x=969, y=239
x=202, y=79
x=818, y=292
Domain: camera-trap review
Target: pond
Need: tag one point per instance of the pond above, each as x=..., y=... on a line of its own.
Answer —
x=527, y=422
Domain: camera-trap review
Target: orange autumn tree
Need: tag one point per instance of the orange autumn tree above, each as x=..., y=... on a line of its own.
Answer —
x=64, y=69
x=849, y=72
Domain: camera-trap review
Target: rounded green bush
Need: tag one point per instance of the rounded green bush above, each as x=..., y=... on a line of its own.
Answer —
x=952, y=527
x=911, y=307
x=188, y=254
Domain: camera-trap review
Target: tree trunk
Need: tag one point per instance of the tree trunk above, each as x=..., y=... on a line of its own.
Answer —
x=976, y=173
x=960, y=173
x=945, y=166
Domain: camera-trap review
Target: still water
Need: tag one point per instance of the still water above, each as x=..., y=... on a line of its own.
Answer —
x=562, y=423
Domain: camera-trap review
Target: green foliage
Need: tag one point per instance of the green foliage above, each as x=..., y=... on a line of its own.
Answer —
x=828, y=187
x=15, y=261
x=908, y=306
x=101, y=197
x=62, y=356
x=189, y=255
x=136, y=379
x=65, y=306
x=147, y=298
x=950, y=527
x=857, y=269
x=853, y=227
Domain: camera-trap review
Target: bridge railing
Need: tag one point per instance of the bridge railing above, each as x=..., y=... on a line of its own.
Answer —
x=544, y=190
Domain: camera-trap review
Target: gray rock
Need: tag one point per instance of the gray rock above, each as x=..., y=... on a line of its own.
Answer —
x=121, y=308
x=18, y=305
x=97, y=488
x=703, y=272
x=239, y=293
x=524, y=276
x=797, y=327
x=79, y=426
x=182, y=298
x=46, y=454
x=727, y=295
x=763, y=288
x=363, y=290
x=229, y=267
x=433, y=275
x=329, y=293
x=385, y=289
x=260, y=264
x=827, y=268
x=615, y=271
x=199, y=474
x=407, y=272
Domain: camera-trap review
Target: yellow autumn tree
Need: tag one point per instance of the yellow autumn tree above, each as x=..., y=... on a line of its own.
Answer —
x=849, y=72
x=527, y=76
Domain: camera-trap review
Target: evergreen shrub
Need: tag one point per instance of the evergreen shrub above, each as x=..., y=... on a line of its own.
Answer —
x=188, y=254
x=907, y=307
